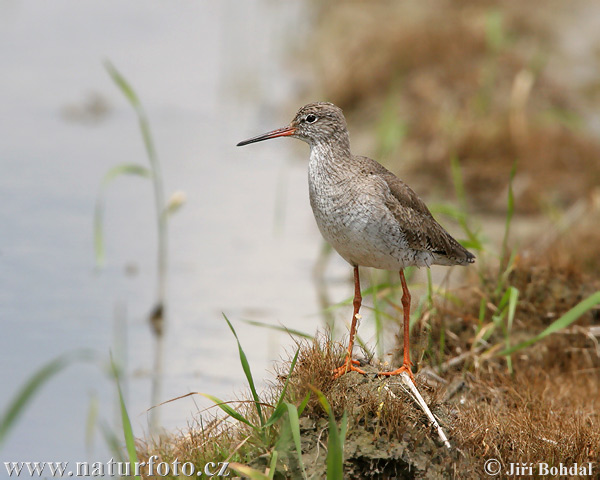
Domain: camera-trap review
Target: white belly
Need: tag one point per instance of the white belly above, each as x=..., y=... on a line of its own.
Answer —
x=352, y=215
x=364, y=232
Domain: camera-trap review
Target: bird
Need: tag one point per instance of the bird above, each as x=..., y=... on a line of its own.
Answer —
x=367, y=214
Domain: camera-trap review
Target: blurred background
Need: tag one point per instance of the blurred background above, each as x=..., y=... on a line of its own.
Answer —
x=484, y=84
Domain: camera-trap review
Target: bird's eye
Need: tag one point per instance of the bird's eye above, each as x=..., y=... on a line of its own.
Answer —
x=311, y=118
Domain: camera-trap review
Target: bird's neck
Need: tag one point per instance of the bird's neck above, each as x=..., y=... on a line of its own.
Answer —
x=331, y=154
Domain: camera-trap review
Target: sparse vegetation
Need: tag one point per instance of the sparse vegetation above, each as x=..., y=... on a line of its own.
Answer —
x=508, y=359
x=489, y=412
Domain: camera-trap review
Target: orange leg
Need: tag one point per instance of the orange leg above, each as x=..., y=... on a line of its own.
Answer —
x=349, y=363
x=406, y=312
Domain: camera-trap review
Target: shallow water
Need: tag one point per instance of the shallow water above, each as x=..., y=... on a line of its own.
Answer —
x=209, y=74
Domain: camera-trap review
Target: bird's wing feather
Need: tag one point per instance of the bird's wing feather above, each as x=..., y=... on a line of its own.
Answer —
x=422, y=231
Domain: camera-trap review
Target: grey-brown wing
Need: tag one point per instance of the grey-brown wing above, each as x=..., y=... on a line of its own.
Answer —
x=422, y=231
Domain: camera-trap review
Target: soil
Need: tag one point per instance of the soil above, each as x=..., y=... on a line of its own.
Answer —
x=479, y=82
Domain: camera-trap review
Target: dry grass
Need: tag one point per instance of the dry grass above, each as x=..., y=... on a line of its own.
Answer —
x=541, y=413
x=546, y=411
x=576, y=240
x=466, y=81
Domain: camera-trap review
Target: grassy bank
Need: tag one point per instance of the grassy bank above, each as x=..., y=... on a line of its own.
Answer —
x=451, y=98
x=545, y=409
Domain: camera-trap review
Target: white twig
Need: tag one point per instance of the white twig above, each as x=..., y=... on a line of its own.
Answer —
x=409, y=385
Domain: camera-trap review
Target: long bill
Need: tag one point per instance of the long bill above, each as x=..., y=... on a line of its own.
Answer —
x=280, y=132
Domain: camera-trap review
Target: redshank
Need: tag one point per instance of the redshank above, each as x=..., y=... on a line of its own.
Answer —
x=370, y=216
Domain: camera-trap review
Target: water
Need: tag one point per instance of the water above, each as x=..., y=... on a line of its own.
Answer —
x=209, y=74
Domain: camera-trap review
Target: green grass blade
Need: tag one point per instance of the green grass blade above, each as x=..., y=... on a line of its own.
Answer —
x=132, y=97
x=123, y=84
x=127, y=431
x=472, y=244
x=335, y=457
x=248, y=373
x=149, y=144
x=512, y=308
x=459, y=186
x=344, y=428
x=157, y=182
x=280, y=328
x=287, y=380
x=505, y=271
x=91, y=421
x=473, y=240
x=114, y=172
x=495, y=35
x=276, y=415
x=295, y=426
x=335, y=447
x=448, y=210
x=504, y=301
x=304, y=403
x=366, y=292
x=247, y=471
x=99, y=232
x=564, y=321
x=228, y=410
x=429, y=289
x=280, y=407
x=482, y=307
x=125, y=169
x=391, y=129
x=28, y=391
x=510, y=210
x=126, y=423
x=273, y=465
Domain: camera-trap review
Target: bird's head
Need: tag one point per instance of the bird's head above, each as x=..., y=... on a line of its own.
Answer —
x=314, y=123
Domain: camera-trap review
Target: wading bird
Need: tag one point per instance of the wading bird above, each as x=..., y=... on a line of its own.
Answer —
x=370, y=216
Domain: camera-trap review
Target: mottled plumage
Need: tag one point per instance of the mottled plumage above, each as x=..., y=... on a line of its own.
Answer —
x=370, y=216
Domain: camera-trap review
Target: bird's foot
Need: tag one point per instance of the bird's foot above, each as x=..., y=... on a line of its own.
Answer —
x=403, y=369
x=348, y=366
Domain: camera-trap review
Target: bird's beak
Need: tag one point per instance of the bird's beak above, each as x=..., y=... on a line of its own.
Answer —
x=280, y=132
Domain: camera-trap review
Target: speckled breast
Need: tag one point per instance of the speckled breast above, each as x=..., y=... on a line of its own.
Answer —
x=357, y=224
